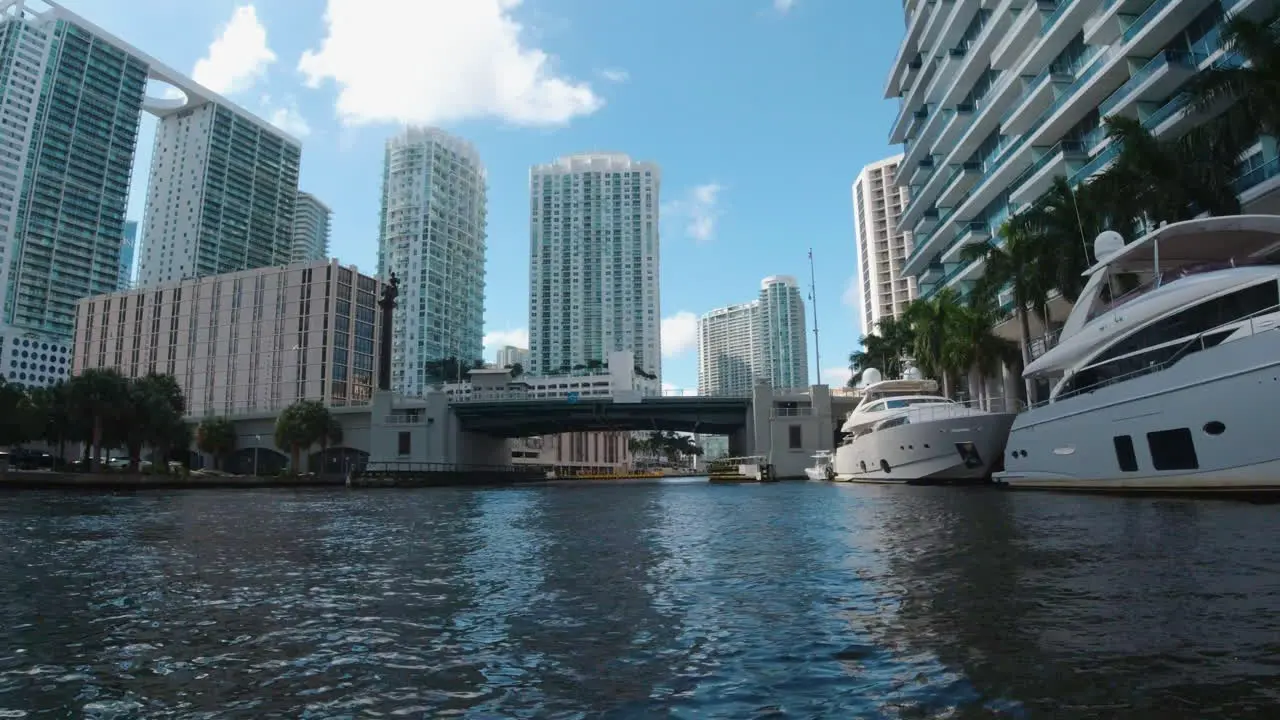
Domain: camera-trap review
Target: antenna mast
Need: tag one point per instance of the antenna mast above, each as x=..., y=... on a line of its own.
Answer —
x=813, y=300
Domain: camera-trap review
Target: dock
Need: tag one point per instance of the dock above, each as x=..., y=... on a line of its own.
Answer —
x=748, y=469
x=418, y=474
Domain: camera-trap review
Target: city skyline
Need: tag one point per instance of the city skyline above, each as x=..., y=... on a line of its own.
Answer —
x=720, y=209
x=762, y=340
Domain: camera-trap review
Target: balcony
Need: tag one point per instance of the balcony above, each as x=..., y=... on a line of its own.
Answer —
x=942, y=10
x=1037, y=96
x=927, y=223
x=1091, y=87
x=974, y=233
x=1057, y=31
x=1159, y=24
x=965, y=273
x=1258, y=188
x=1156, y=79
x=1021, y=34
x=956, y=22
x=955, y=124
x=999, y=175
x=973, y=66
x=912, y=105
x=1101, y=161
x=1061, y=160
x=960, y=181
x=931, y=275
x=922, y=171
x=1106, y=25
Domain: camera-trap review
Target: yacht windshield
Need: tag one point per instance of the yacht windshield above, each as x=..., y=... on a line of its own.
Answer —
x=1126, y=286
x=908, y=402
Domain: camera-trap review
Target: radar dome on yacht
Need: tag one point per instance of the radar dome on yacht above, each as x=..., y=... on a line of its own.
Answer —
x=912, y=373
x=1108, y=243
x=871, y=376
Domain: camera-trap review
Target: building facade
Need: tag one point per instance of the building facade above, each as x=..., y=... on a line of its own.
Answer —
x=222, y=195
x=882, y=246
x=73, y=98
x=761, y=341
x=999, y=99
x=310, y=229
x=594, y=260
x=251, y=341
x=434, y=207
x=510, y=355
x=580, y=452
x=127, y=248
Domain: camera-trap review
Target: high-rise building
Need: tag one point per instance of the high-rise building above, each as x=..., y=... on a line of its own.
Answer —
x=510, y=355
x=882, y=246
x=222, y=193
x=310, y=229
x=251, y=341
x=593, y=270
x=998, y=99
x=763, y=340
x=72, y=99
x=126, y=254
x=433, y=239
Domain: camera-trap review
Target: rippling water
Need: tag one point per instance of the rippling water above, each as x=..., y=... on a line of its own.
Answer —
x=637, y=600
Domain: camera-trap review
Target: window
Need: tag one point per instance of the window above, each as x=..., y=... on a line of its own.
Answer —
x=795, y=437
x=404, y=443
x=1173, y=450
x=1125, y=455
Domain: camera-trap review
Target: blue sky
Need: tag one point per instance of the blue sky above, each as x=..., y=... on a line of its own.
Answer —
x=760, y=112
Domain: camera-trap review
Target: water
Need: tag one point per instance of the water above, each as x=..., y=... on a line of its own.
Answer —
x=648, y=599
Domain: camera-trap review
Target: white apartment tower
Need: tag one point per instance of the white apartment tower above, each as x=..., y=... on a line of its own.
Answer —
x=511, y=355
x=760, y=341
x=882, y=246
x=433, y=239
x=310, y=229
x=999, y=98
x=221, y=198
x=593, y=270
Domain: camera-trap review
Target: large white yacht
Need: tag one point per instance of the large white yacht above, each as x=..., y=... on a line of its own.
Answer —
x=904, y=432
x=1166, y=375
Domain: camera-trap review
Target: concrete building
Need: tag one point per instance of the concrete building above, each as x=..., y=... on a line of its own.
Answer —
x=998, y=99
x=882, y=246
x=252, y=341
x=580, y=452
x=222, y=194
x=764, y=340
x=617, y=379
x=33, y=359
x=433, y=239
x=594, y=261
x=127, y=248
x=310, y=229
x=510, y=355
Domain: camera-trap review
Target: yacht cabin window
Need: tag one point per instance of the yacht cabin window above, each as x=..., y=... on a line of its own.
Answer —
x=1172, y=336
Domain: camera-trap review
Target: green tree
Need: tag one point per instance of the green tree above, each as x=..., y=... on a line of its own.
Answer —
x=932, y=323
x=886, y=350
x=516, y=370
x=98, y=394
x=300, y=426
x=216, y=436
x=15, y=409
x=974, y=344
x=154, y=406
x=1252, y=87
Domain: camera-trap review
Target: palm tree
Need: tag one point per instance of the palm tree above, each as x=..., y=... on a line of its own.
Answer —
x=1253, y=88
x=300, y=426
x=97, y=394
x=976, y=346
x=1065, y=220
x=216, y=436
x=1019, y=264
x=931, y=323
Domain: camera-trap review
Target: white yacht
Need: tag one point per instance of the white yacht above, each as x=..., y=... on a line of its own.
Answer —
x=1166, y=374
x=904, y=432
x=822, y=467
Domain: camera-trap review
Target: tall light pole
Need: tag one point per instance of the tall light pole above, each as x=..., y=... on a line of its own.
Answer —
x=813, y=299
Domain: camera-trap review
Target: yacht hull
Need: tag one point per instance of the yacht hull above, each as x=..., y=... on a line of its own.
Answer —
x=943, y=451
x=1205, y=424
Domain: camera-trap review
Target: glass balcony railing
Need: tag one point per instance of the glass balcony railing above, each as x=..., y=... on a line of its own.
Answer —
x=1145, y=19
x=1062, y=147
x=1099, y=161
x=1258, y=175
x=1052, y=18
x=1159, y=62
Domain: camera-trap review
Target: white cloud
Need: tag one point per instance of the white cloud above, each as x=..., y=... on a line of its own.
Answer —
x=679, y=334
x=615, y=75
x=501, y=338
x=836, y=376
x=290, y=120
x=852, y=296
x=238, y=57
x=434, y=62
x=699, y=209
x=783, y=6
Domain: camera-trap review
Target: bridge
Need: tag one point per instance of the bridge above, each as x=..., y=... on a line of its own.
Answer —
x=524, y=417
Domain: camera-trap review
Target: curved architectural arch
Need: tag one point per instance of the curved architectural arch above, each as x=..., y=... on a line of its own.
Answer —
x=337, y=460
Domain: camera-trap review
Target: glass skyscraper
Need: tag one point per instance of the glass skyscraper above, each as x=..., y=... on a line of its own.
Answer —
x=126, y=254
x=761, y=341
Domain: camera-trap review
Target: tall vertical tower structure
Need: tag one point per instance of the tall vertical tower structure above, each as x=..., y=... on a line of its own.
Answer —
x=434, y=207
x=127, y=249
x=310, y=229
x=593, y=266
x=764, y=340
x=882, y=246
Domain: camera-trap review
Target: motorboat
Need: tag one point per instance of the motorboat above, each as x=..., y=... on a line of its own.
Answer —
x=903, y=431
x=1166, y=373
x=823, y=467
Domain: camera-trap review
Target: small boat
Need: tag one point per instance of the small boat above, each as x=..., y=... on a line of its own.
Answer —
x=823, y=467
x=752, y=469
x=904, y=432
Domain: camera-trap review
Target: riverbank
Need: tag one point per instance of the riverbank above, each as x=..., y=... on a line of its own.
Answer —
x=39, y=480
